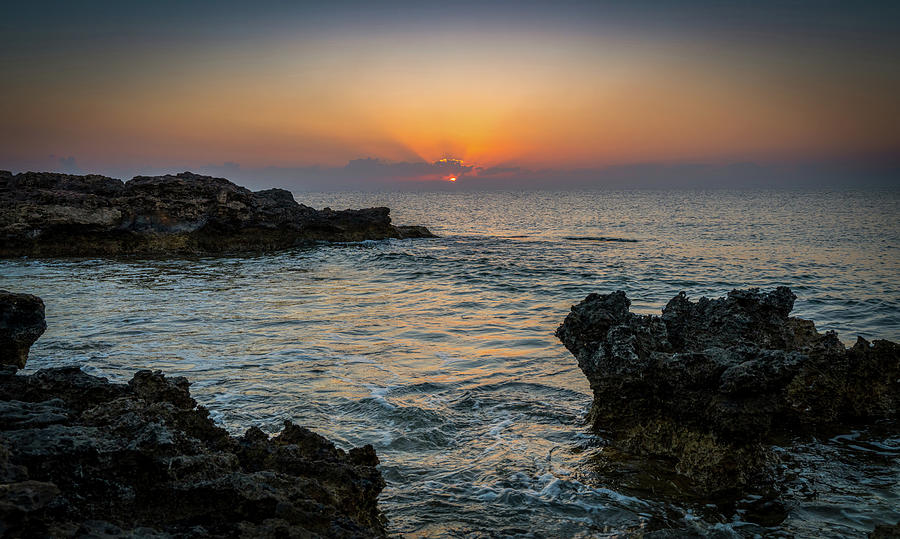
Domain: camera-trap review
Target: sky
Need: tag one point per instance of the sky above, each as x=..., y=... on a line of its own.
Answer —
x=502, y=95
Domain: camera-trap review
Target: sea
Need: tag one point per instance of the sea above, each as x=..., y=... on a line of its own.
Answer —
x=441, y=354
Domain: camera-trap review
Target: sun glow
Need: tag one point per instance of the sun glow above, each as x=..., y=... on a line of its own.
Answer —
x=451, y=179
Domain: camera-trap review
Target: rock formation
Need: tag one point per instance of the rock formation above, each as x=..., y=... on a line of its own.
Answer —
x=711, y=384
x=21, y=323
x=80, y=456
x=49, y=214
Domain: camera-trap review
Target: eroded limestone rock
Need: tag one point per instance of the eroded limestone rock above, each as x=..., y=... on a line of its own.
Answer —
x=711, y=384
x=79, y=455
x=50, y=214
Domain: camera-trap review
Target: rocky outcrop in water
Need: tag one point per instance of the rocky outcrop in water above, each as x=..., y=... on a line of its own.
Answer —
x=711, y=384
x=49, y=214
x=21, y=323
x=82, y=457
x=886, y=531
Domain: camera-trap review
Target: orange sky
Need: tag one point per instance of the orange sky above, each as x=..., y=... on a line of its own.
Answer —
x=553, y=97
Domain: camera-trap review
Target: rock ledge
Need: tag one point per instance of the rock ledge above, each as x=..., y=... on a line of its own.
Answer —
x=50, y=214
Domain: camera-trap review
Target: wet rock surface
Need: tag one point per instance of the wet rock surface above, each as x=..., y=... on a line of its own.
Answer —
x=50, y=214
x=712, y=385
x=83, y=457
x=21, y=323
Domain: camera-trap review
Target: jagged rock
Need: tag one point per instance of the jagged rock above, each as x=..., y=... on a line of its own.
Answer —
x=711, y=384
x=21, y=323
x=50, y=214
x=82, y=456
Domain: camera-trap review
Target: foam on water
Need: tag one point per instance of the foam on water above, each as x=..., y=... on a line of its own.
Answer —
x=441, y=352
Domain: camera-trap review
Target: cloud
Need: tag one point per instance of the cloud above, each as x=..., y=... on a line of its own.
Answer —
x=377, y=169
x=375, y=174
x=367, y=173
x=498, y=171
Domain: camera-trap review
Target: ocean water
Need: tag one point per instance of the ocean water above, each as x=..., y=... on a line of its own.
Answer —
x=441, y=352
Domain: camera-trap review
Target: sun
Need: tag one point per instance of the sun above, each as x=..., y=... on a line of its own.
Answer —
x=451, y=179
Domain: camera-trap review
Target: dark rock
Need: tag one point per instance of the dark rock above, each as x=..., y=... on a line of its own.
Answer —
x=886, y=531
x=80, y=456
x=21, y=323
x=49, y=214
x=711, y=384
x=411, y=231
x=100, y=459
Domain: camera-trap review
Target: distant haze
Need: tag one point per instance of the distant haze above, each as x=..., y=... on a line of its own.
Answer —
x=393, y=95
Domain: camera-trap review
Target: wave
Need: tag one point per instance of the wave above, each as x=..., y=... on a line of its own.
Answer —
x=599, y=238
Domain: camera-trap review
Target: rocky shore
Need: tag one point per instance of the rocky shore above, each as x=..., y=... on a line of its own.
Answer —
x=83, y=457
x=712, y=385
x=50, y=214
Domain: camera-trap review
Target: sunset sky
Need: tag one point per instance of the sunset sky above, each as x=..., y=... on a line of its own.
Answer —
x=380, y=93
